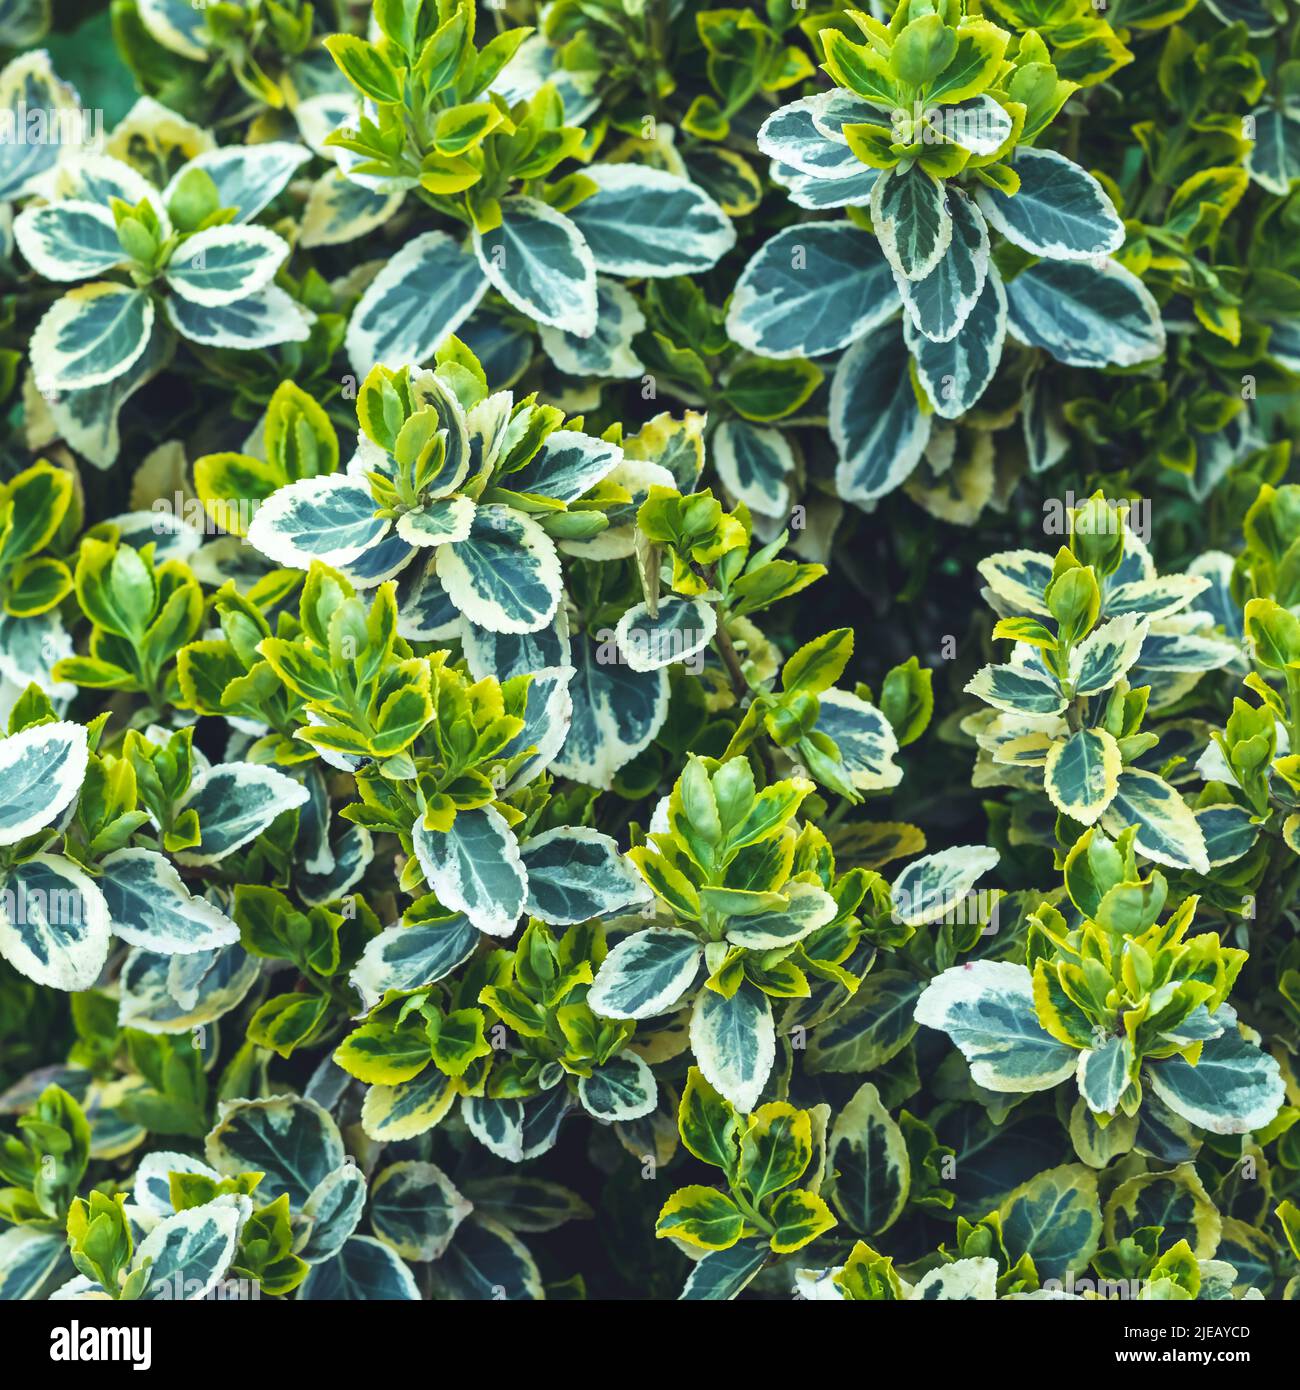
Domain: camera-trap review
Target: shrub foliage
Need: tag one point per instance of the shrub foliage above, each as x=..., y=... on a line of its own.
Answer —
x=649, y=651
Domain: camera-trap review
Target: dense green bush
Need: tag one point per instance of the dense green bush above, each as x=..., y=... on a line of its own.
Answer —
x=650, y=651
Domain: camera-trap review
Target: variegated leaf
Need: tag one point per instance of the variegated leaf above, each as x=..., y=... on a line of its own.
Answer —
x=415, y=1209
x=330, y=518
x=69, y=240
x=222, y=265
x=1085, y=315
x=1017, y=690
x=333, y=1209
x=41, y=770
x=956, y=373
x=616, y=712
x=177, y=26
x=1055, y=1219
x=940, y=303
x=622, y=1089
x=647, y=222
x=339, y=210
x=408, y=958
x=1167, y=830
x=291, y=1141
x=1060, y=212
x=260, y=320
x=424, y=293
x=734, y=1041
x=873, y=1027
x=576, y=873
x=1106, y=654
x=678, y=632
x=235, y=802
x=364, y=1270
x=987, y=1009
x=646, y=973
x=1234, y=1088
x=92, y=335
x=486, y=1262
x=876, y=423
x=408, y=1109
x=790, y=137
x=475, y=868
x=151, y=907
x=505, y=575
x=188, y=1252
x=247, y=177
x=810, y=290
x=1082, y=774
x=54, y=923
x=910, y=211
x=567, y=466
x=756, y=464
x=608, y=351
x=538, y=259
x=936, y=886
x=865, y=739
x=868, y=1158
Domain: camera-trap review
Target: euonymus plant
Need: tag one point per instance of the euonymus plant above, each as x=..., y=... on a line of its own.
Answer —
x=649, y=651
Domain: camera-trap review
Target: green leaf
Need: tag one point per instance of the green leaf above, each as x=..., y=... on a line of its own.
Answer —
x=701, y=1216
x=288, y=1021
x=1055, y=1219
x=818, y=664
x=384, y=1052
x=907, y=700
x=775, y=1149
x=366, y=67
x=416, y=1210
x=708, y=1123
x=770, y=390
x=868, y=1159
x=1274, y=634
x=799, y=1217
